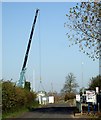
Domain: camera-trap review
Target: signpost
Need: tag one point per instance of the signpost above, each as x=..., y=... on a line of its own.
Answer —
x=78, y=102
x=97, y=92
x=90, y=96
x=78, y=97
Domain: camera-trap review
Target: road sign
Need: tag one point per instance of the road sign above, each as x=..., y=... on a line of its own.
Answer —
x=90, y=96
x=78, y=97
x=97, y=90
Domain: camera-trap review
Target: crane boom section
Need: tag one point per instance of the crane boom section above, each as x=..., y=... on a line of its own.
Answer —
x=22, y=79
x=30, y=39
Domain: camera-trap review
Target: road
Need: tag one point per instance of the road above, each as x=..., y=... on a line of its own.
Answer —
x=50, y=111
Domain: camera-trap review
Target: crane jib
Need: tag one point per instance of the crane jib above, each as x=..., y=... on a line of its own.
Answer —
x=29, y=43
x=21, y=81
x=33, y=25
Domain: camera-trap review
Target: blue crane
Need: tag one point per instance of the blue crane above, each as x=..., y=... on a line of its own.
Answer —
x=21, y=81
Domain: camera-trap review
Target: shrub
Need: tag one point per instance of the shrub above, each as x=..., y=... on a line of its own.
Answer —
x=15, y=98
x=69, y=96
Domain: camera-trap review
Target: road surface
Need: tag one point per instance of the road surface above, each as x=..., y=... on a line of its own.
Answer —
x=50, y=111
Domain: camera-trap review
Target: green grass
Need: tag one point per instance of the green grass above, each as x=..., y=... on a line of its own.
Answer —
x=19, y=112
x=14, y=114
x=35, y=105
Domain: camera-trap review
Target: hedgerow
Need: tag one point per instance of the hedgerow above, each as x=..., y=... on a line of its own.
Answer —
x=14, y=98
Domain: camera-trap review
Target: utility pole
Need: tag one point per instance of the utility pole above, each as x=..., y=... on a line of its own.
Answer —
x=52, y=88
x=33, y=81
x=82, y=78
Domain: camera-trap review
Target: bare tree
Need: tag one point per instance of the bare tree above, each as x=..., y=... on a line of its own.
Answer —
x=70, y=84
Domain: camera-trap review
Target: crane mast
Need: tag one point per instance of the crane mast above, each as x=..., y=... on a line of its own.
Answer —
x=21, y=80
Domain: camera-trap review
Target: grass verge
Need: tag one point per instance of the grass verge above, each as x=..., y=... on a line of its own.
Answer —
x=15, y=113
x=19, y=112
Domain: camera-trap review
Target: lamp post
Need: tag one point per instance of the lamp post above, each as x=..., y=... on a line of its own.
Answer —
x=33, y=81
x=99, y=64
x=82, y=79
x=82, y=85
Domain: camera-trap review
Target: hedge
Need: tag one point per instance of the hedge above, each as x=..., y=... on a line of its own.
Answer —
x=15, y=98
